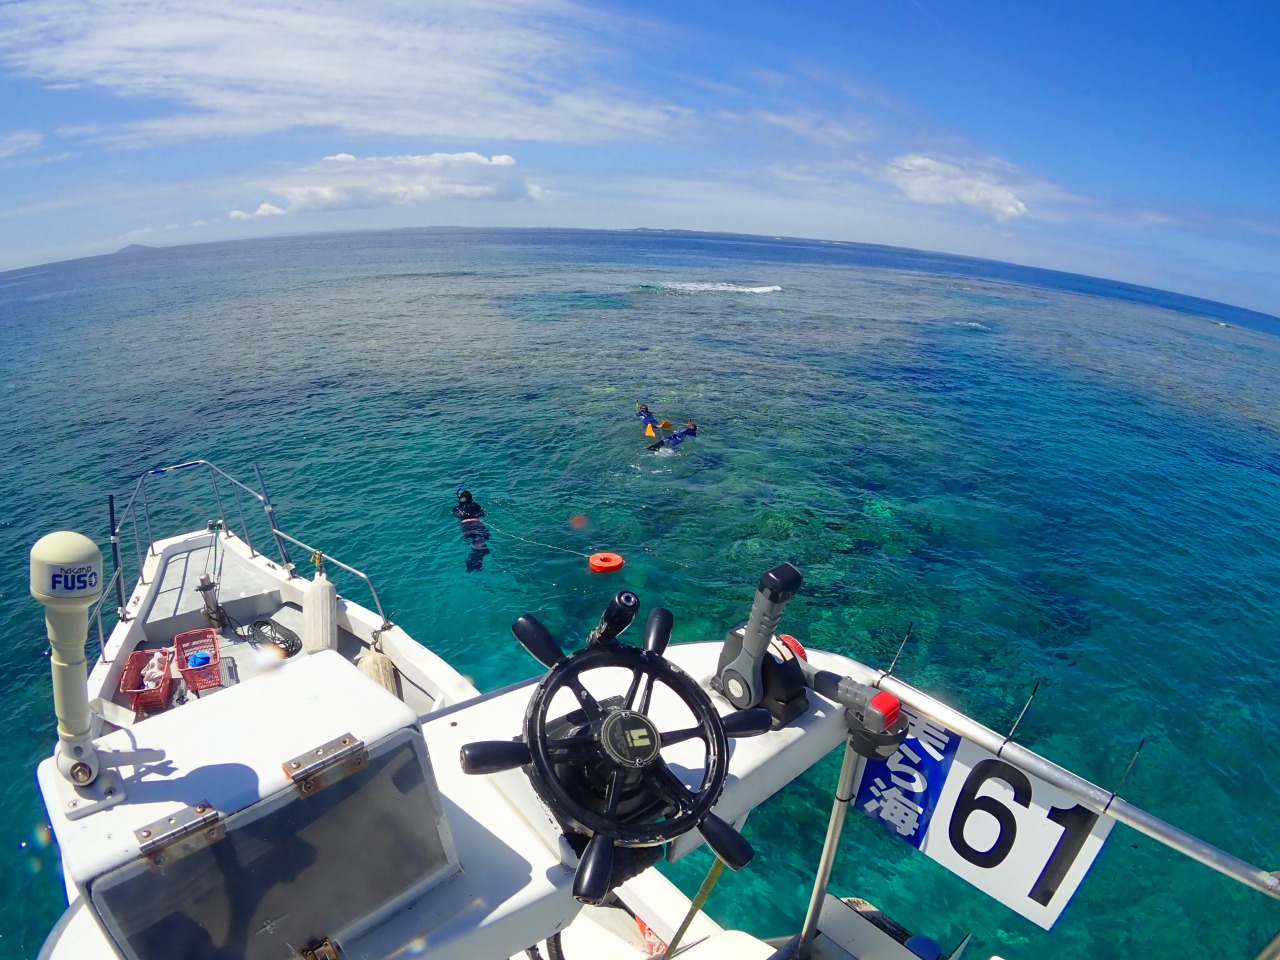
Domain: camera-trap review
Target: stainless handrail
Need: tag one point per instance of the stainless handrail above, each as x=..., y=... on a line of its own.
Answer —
x=137, y=503
x=352, y=570
x=95, y=615
x=214, y=472
x=1093, y=796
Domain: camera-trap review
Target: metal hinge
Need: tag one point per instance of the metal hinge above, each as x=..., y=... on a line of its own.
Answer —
x=324, y=949
x=326, y=764
x=188, y=830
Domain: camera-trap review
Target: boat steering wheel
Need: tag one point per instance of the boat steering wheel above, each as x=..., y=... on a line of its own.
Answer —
x=600, y=768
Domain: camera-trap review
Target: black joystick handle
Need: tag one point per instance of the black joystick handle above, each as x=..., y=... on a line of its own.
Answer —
x=739, y=674
x=775, y=588
x=537, y=639
x=657, y=631
x=617, y=617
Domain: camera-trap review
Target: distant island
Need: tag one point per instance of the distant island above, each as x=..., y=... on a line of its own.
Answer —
x=135, y=248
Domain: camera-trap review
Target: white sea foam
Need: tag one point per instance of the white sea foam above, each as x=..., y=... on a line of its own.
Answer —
x=717, y=288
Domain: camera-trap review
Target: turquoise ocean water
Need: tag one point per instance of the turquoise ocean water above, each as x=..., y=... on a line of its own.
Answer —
x=1054, y=479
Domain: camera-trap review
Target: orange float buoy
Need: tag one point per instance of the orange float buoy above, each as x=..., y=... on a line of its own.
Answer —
x=604, y=562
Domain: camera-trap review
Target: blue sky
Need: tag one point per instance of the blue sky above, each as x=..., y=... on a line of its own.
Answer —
x=1134, y=141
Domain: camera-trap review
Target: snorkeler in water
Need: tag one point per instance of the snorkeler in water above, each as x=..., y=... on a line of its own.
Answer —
x=651, y=423
x=473, y=531
x=675, y=439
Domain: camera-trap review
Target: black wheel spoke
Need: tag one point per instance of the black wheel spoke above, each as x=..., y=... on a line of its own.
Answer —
x=630, y=699
x=579, y=753
x=668, y=786
x=615, y=792
x=646, y=696
x=680, y=736
x=570, y=743
x=585, y=699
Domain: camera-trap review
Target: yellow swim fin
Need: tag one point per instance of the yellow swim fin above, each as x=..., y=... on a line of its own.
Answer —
x=648, y=430
x=665, y=425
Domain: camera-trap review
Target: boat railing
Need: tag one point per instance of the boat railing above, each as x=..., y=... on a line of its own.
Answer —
x=1093, y=796
x=1034, y=765
x=319, y=556
x=136, y=516
x=95, y=613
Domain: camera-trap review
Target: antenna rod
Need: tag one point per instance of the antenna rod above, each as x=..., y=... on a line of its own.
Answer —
x=1034, y=690
x=1125, y=776
x=901, y=647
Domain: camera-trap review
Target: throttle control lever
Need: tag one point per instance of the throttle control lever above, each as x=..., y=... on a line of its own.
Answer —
x=739, y=673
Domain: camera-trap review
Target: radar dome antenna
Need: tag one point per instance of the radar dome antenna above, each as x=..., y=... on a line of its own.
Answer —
x=66, y=578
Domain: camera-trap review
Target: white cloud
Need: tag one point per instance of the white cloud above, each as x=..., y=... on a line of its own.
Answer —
x=344, y=182
x=21, y=141
x=926, y=180
x=521, y=69
x=264, y=210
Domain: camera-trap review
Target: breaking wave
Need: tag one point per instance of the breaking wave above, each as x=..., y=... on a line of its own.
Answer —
x=717, y=288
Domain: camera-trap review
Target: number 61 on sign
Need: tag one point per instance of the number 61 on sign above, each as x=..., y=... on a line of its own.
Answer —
x=1012, y=835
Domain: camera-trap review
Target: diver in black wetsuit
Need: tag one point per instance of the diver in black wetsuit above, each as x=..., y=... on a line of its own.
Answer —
x=473, y=531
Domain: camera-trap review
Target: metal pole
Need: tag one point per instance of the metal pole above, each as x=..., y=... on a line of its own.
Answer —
x=849, y=772
x=137, y=548
x=217, y=495
x=352, y=570
x=244, y=527
x=1272, y=950
x=146, y=515
x=102, y=641
x=275, y=527
x=115, y=560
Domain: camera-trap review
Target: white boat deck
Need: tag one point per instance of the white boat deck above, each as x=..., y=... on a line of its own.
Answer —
x=176, y=606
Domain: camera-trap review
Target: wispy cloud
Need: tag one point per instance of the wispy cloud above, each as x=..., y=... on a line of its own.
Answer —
x=517, y=69
x=817, y=127
x=932, y=181
x=345, y=182
x=21, y=141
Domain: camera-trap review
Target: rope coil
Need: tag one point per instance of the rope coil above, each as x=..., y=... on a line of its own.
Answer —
x=268, y=631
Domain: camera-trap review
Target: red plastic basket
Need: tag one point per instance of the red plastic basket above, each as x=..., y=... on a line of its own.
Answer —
x=198, y=641
x=146, y=699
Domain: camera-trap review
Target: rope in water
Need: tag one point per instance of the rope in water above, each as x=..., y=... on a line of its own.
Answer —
x=539, y=543
x=678, y=563
x=576, y=553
